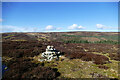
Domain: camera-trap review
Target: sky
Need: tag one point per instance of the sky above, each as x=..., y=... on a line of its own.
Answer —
x=59, y=16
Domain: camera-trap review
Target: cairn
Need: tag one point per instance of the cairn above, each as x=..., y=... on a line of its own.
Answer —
x=50, y=53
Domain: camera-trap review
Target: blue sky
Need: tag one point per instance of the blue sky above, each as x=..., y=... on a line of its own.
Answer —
x=59, y=16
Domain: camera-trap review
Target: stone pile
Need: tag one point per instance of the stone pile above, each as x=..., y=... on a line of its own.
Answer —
x=50, y=53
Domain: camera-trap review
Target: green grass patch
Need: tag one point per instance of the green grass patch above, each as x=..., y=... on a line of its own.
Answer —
x=110, y=37
x=86, y=41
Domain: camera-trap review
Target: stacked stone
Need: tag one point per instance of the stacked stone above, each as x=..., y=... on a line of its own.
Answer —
x=50, y=53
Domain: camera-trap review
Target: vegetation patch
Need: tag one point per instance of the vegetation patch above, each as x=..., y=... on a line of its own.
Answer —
x=108, y=37
x=86, y=41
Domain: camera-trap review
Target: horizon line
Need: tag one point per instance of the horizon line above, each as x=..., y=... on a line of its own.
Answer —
x=62, y=31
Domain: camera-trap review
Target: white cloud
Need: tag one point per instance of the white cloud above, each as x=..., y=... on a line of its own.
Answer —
x=81, y=27
x=10, y=28
x=75, y=26
x=49, y=27
x=1, y=20
x=101, y=26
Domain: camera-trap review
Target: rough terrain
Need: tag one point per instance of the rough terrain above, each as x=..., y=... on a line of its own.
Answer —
x=85, y=55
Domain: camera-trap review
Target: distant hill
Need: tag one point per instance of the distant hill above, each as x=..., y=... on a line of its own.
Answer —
x=62, y=36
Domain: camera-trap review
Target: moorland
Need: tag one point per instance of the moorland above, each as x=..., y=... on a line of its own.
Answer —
x=84, y=55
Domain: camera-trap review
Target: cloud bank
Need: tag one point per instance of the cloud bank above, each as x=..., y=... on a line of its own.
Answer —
x=101, y=26
x=9, y=28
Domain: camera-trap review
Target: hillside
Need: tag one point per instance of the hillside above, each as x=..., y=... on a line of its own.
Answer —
x=85, y=55
x=61, y=36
